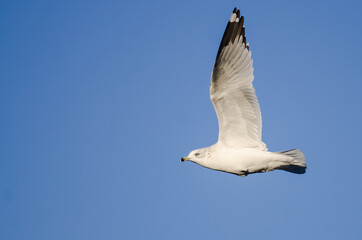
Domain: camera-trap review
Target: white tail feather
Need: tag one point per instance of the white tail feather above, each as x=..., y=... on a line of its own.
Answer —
x=297, y=165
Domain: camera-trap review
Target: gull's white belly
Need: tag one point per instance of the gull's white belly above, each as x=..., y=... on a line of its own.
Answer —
x=244, y=160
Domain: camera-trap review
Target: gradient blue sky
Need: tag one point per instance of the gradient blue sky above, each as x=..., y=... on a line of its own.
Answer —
x=100, y=99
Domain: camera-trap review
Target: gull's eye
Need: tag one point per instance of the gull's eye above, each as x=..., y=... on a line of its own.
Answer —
x=197, y=154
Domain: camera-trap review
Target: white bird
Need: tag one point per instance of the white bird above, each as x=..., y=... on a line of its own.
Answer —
x=239, y=149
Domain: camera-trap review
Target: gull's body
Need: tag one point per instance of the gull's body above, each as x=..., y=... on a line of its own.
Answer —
x=239, y=149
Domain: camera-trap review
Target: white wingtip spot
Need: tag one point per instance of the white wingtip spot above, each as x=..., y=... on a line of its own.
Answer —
x=232, y=17
x=237, y=20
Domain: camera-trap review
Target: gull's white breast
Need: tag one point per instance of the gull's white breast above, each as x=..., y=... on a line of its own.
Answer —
x=241, y=160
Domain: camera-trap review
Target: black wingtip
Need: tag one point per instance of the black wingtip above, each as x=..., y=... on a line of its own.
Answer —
x=243, y=32
x=233, y=32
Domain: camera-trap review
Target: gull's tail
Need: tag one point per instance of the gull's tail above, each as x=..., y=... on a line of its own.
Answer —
x=297, y=165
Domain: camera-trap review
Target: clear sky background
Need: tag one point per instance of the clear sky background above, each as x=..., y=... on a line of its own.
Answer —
x=99, y=101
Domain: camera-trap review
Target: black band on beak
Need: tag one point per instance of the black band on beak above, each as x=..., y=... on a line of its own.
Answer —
x=182, y=160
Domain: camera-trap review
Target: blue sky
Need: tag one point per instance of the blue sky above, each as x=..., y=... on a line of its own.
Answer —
x=100, y=99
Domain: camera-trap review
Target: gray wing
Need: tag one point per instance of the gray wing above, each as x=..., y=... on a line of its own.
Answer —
x=232, y=91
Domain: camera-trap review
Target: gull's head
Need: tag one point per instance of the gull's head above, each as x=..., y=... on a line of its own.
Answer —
x=196, y=156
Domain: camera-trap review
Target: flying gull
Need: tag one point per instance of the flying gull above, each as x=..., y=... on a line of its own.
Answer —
x=239, y=149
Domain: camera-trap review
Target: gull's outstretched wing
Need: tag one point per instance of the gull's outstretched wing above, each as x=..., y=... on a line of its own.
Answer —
x=232, y=91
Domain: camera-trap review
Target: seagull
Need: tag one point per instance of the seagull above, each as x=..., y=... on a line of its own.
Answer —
x=239, y=149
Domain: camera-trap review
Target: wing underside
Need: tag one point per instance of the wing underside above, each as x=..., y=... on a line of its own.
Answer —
x=232, y=91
